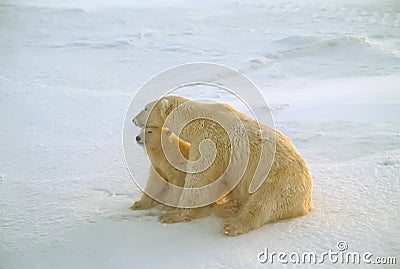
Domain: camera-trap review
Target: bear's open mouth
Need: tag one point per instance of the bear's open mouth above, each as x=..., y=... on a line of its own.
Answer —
x=140, y=143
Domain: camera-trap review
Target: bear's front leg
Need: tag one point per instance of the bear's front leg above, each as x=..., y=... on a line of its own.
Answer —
x=145, y=202
x=196, y=196
x=188, y=206
x=154, y=187
x=177, y=215
x=184, y=215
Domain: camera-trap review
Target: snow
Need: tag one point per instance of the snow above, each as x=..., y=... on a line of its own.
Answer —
x=68, y=71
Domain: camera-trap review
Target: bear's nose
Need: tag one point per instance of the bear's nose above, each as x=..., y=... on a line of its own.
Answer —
x=137, y=138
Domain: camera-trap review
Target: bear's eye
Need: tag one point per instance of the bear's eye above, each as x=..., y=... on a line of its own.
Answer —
x=149, y=132
x=145, y=109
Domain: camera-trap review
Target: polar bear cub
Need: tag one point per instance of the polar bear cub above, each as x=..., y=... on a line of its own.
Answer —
x=157, y=141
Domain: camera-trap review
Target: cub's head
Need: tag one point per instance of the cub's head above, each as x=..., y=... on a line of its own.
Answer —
x=151, y=137
x=155, y=113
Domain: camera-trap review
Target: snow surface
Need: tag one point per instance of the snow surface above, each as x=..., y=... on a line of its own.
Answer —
x=329, y=69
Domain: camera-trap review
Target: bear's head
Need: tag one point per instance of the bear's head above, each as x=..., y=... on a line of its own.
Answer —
x=155, y=113
x=151, y=137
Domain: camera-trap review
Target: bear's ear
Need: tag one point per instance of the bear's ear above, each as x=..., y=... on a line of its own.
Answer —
x=164, y=105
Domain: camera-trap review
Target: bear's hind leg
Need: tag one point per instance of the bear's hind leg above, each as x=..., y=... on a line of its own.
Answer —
x=251, y=216
x=262, y=208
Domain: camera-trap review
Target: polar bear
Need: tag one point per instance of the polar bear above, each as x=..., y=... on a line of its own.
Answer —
x=286, y=191
x=153, y=138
